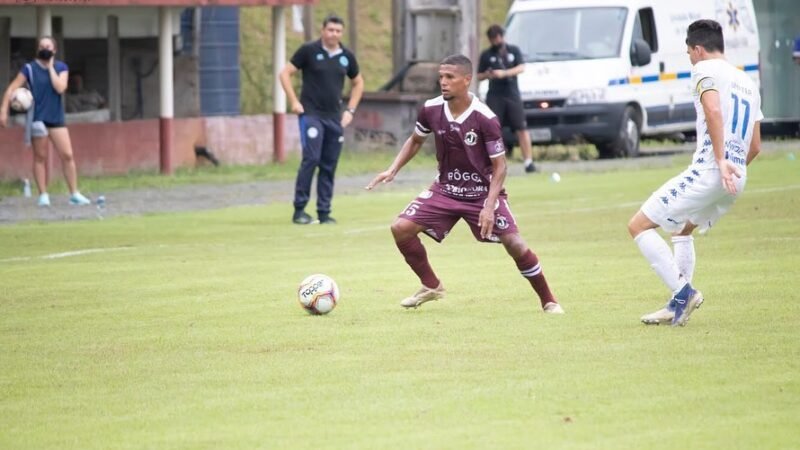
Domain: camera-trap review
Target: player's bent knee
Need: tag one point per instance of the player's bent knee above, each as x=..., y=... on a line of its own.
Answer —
x=634, y=227
x=640, y=223
x=514, y=244
x=687, y=229
x=403, y=229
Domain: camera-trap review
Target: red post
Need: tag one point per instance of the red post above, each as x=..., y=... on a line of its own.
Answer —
x=278, y=125
x=165, y=144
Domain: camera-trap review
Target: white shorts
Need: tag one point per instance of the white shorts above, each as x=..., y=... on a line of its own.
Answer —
x=693, y=196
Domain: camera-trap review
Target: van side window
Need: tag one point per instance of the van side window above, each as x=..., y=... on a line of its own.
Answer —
x=645, y=28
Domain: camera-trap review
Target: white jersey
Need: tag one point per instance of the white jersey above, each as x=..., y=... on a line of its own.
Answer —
x=740, y=103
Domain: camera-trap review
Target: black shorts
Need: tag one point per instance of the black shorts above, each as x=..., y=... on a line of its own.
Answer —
x=508, y=110
x=54, y=124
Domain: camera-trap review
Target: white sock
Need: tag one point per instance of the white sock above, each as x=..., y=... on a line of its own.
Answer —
x=658, y=253
x=528, y=161
x=683, y=247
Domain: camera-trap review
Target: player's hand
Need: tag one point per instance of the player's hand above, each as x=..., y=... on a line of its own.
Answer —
x=297, y=108
x=498, y=73
x=347, y=117
x=729, y=174
x=382, y=178
x=3, y=119
x=486, y=221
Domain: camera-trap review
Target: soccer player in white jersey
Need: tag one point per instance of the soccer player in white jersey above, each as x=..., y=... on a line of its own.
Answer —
x=729, y=115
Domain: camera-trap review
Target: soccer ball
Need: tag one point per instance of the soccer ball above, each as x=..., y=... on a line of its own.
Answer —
x=21, y=99
x=318, y=294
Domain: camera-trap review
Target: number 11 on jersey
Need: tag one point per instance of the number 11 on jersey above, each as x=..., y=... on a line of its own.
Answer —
x=735, y=120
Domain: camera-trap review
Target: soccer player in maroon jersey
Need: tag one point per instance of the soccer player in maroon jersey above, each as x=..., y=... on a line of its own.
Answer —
x=469, y=186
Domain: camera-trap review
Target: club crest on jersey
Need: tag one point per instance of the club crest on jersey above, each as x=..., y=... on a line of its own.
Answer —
x=320, y=56
x=344, y=61
x=425, y=194
x=498, y=147
x=470, y=138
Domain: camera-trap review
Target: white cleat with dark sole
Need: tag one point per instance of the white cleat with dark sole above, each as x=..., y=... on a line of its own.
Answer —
x=423, y=295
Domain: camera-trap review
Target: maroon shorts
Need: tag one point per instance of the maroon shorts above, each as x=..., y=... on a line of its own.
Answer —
x=438, y=213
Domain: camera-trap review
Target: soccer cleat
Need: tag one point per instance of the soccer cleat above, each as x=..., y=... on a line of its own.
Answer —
x=686, y=302
x=327, y=220
x=662, y=316
x=78, y=199
x=553, y=308
x=530, y=168
x=44, y=199
x=301, y=218
x=425, y=294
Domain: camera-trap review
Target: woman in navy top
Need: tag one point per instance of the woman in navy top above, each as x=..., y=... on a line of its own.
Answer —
x=46, y=78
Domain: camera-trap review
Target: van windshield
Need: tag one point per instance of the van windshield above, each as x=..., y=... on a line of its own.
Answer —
x=566, y=34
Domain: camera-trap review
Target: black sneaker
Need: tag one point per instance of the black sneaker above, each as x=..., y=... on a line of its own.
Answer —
x=327, y=220
x=301, y=218
x=530, y=168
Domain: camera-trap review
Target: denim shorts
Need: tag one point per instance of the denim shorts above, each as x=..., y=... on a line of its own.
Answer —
x=38, y=129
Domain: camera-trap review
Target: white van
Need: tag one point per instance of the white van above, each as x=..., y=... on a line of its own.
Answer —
x=611, y=71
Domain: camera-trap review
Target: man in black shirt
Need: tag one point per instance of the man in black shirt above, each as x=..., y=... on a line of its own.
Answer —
x=324, y=64
x=500, y=64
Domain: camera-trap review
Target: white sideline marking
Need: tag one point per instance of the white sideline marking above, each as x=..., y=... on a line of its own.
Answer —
x=87, y=251
x=788, y=187
x=561, y=211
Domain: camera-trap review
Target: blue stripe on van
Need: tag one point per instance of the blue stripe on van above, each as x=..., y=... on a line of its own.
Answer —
x=666, y=76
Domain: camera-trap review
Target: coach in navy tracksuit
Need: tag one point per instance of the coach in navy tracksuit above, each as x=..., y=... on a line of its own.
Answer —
x=324, y=64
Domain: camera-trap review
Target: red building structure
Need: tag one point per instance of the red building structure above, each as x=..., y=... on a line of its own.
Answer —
x=116, y=146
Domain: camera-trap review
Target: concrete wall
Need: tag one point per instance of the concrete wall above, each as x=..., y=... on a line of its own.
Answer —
x=121, y=147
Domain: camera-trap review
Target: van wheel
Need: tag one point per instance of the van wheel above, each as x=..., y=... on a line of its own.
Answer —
x=627, y=141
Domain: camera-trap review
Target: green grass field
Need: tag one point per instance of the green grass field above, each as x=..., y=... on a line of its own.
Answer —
x=185, y=332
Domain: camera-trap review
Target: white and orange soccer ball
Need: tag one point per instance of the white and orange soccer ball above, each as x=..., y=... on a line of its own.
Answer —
x=21, y=99
x=318, y=294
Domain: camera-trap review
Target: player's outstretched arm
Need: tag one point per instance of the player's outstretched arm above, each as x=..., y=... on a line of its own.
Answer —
x=755, y=143
x=410, y=149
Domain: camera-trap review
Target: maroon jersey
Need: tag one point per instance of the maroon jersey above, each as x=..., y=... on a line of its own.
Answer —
x=464, y=146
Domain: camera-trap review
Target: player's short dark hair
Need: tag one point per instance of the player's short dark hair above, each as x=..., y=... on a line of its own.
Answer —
x=706, y=33
x=332, y=18
x=460, y=61
x=494, y=31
